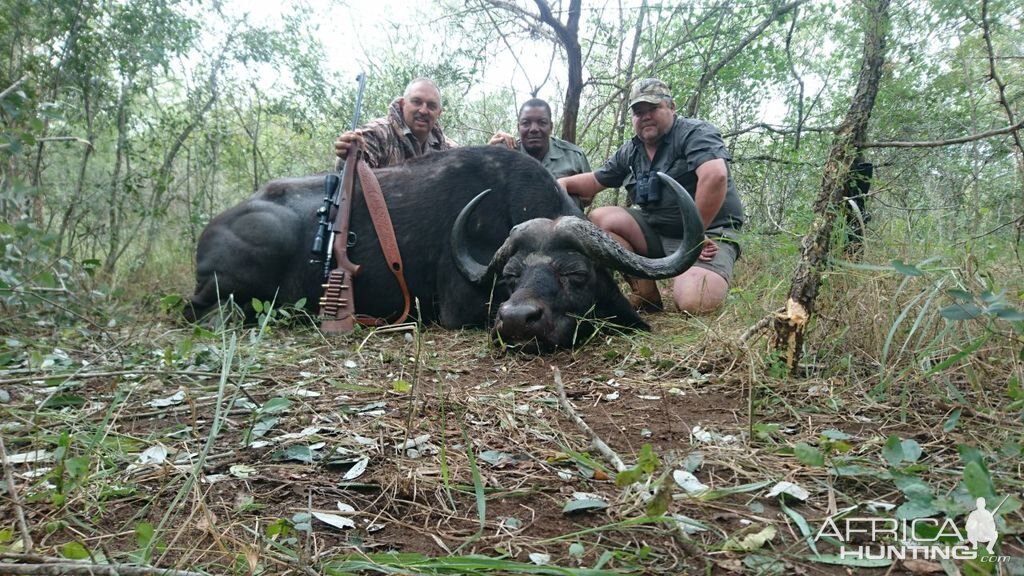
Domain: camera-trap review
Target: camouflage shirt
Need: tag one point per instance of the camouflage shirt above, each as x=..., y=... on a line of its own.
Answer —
x=389, y=140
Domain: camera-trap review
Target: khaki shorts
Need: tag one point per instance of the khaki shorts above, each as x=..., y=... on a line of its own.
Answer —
x=722, y=264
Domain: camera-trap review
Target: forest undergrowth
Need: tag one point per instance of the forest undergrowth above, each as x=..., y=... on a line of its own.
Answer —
x=130, y=439
x=134, y=444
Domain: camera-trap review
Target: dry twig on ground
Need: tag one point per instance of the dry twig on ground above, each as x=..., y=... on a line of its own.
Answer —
x=19, y=512
x=595, y=440
x=68, y=568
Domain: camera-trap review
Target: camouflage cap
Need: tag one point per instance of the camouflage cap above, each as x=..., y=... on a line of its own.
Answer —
x=650, y=90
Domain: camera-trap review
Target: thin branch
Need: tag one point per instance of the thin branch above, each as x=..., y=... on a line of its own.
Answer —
x=56, y=139
x=778, y=130
x=774, y=160
x=88, y=569
x=987, y=29
x=19, y=512
x=547, y=76
x=65, y=139
x=595, y=440
x=939, y=143
x=622, y=114
x=664, y=57
x=760, y=326
x=705, y=79
x=532, y=21
x=74, y=313
x=797, y=77
x=992, y=231
x=13, y=87
x=87, y=375
x=513, y=52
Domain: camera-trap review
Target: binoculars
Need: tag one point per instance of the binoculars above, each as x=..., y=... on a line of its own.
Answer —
x=648, y=188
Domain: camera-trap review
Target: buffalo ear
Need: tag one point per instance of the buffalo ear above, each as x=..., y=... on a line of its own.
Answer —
x=613, y=306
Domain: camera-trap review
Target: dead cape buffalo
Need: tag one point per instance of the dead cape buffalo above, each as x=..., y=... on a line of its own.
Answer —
x=521, y=256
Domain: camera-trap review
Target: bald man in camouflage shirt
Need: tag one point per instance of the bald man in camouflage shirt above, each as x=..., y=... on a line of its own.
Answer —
x=409, y=130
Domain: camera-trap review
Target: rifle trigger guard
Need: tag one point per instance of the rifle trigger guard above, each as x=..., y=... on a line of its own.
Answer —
x=352, y=239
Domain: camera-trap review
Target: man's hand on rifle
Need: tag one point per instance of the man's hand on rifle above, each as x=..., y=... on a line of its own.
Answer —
x=347, y=141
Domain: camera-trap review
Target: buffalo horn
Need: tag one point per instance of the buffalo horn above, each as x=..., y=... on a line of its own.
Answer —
x=470, y=269
x=602, y=248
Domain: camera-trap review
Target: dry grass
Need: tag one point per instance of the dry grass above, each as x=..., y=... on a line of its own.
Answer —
x=496, y=459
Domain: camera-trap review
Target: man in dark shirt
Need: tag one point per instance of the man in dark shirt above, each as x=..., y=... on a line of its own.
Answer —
x=561, y=158
x=693, y=153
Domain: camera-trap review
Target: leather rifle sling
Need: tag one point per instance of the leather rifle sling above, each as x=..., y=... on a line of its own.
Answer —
x=378, y=209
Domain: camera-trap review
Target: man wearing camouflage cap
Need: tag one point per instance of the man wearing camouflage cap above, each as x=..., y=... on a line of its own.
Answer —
x=693, y=153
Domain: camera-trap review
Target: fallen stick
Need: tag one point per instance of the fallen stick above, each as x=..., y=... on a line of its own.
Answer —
x=760, y=326
x=678, y=533
x=595, y=440
x=88, y=375
x=89, y=569
x=19, y=512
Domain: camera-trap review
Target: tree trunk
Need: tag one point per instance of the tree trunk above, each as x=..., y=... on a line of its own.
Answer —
x=116, y=201
x=165, y=174
x=76, y=196
x=789, y=326
x=70, y=45
x=569, y=36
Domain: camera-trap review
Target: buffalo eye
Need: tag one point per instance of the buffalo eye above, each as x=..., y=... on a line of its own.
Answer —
x=576, y=277
x=510, y=278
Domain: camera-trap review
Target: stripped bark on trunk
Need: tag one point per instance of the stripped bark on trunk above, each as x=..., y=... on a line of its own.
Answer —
x=789, y=326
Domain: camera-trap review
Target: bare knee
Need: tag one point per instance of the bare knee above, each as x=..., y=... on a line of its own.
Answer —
x=617, y=222
x=699, y=291
x=606, y=217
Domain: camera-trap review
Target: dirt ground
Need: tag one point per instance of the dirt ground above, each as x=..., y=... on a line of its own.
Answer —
x=440, y=445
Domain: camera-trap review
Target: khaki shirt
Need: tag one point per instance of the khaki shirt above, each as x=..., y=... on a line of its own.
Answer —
x=563, y=158
x=389, y=140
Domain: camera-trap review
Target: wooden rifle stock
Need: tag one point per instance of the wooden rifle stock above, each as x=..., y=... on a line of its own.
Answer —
x=337, y=305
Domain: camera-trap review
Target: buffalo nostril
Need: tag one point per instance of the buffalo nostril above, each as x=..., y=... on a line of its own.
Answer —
x=522, y=314
x=521, y=320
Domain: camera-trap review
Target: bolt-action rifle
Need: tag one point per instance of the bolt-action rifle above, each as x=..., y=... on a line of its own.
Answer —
x=332, y=240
